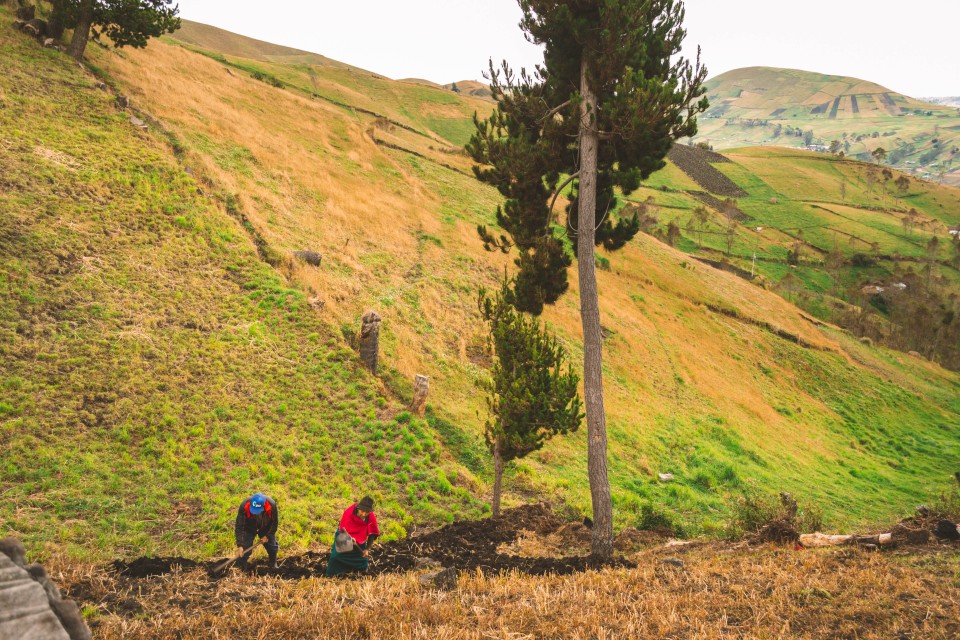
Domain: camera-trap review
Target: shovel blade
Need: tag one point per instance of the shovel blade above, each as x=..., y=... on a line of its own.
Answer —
x=223, y=566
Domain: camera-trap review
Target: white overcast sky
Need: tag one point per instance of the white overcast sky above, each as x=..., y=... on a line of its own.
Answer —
x=910, y=47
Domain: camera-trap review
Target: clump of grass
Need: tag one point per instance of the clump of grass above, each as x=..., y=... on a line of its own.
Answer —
x=947, y=504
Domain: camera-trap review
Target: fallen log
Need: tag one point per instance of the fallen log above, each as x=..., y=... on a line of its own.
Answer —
x=818, y=539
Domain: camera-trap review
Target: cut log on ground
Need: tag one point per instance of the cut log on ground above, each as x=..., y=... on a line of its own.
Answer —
x=818, y=539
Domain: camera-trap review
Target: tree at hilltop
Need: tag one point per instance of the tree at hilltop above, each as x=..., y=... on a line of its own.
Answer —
x=125, y=22
x=531, y=398
x=601, y=113
x=879, y=154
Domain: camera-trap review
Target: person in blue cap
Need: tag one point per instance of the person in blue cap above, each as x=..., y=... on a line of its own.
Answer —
x=257, y=518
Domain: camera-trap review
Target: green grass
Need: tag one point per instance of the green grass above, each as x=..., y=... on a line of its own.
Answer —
x=155, y=371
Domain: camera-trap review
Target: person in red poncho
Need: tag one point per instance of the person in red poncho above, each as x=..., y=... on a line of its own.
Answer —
x=360, y=523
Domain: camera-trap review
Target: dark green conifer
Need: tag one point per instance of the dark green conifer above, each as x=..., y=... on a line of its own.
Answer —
x=531, y=397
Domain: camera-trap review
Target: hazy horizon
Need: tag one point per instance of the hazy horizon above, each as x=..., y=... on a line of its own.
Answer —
x=869, y=40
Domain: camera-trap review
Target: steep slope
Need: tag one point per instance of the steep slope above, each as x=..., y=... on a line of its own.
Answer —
x=762, y=105
x=233, y=44
x=153, y=370
x=709, y=377
x=439, y=117
x=702, y=366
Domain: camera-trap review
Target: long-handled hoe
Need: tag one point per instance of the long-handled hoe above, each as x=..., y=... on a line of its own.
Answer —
x=226, y=564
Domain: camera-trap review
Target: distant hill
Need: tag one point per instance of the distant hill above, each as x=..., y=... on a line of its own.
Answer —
x=233, y=44
x=948, y=101
x=770, y=106
x=471, y=88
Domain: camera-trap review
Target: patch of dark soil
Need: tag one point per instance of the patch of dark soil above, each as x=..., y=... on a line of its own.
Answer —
x=146, y=567
x=696, y=163
x=466, y=546
x=472, y=544
x=732, y=212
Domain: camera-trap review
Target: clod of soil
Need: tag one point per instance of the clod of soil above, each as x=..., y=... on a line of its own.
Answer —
x=146, y=567
x=781, y=531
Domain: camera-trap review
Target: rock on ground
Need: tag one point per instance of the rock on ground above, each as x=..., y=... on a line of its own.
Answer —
x=31, y=607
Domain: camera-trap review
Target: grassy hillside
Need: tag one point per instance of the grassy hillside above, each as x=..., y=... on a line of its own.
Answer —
x=169, y=350
x=762, y=105
x=154, y=369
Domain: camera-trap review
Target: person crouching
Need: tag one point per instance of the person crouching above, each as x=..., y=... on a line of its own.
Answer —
x=360, y=524
x=257, y=517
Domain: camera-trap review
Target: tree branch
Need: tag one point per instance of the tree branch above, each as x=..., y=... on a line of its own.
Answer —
x=556, y=195
x=555, y=111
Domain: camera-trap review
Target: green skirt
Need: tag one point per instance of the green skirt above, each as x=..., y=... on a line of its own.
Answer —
x=348, y=562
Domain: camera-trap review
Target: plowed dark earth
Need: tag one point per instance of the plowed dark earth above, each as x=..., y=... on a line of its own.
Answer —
x=467, y=545
x=697, y=163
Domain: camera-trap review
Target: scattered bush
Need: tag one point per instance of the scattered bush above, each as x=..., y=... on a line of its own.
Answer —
x=757, y=510
x=269, y=79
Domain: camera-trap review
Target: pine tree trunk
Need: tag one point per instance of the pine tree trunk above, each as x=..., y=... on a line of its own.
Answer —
x=602, y=543
x=82, y=31
x=497, y=478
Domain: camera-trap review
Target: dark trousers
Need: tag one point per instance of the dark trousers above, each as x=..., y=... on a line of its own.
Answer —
x=249, y=538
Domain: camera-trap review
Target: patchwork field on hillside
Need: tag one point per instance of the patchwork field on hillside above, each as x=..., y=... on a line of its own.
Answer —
x=790, y=108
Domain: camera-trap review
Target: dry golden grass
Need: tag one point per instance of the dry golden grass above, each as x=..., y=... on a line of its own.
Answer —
x=719, y=591
x=688, y=343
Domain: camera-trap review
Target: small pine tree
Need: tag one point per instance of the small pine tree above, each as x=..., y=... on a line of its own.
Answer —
x=531, y=398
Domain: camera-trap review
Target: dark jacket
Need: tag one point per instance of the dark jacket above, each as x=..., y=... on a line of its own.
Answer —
x=261, y=525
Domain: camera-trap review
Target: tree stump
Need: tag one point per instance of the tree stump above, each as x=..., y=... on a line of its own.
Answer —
x=312, y=258
x=421, y=387
x=370, y=340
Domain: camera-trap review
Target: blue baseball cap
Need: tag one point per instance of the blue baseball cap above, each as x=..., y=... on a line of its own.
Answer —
x=256, y=503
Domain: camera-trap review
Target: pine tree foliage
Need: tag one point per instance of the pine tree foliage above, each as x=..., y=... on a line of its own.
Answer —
x=527, y=149
x=532, y=396
x=126, y=23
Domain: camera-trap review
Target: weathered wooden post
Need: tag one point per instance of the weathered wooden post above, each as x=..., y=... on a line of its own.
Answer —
x=421, y=387
x=370, y=340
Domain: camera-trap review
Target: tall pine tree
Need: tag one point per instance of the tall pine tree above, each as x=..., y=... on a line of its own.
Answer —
x=600, y=114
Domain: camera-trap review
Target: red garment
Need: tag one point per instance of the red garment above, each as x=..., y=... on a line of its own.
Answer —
x=359, y=528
